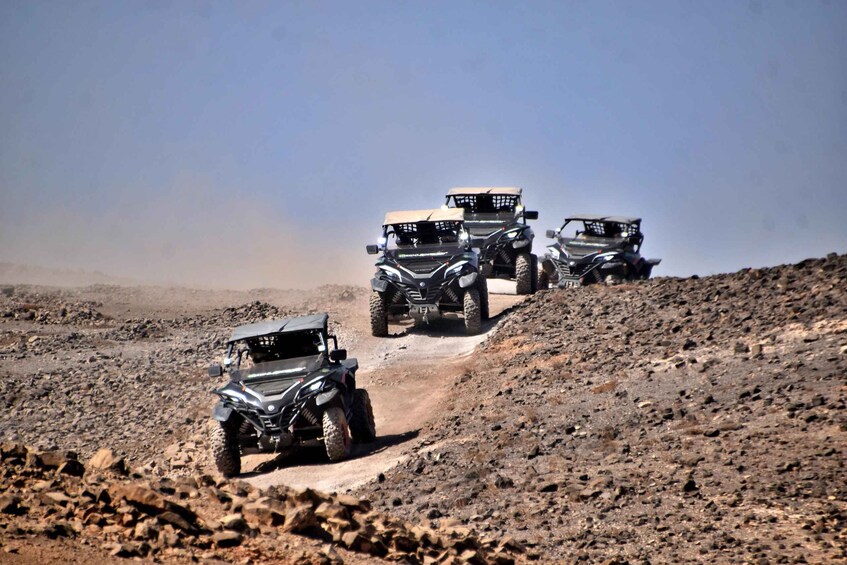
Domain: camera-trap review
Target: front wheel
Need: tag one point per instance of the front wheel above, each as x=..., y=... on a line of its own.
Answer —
x=484, y=311
x=472, y=311
x=336, y=434
x=226, y=452
x=379, y=315
x=523, y=274
x=362, y=425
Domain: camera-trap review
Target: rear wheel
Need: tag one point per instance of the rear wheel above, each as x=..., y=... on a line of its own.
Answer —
x=336, y=434
x=472, y=311
x=543, y=280
x=379, y=315
x=534, y=272
x=223, y=441
x=484, y=312
x=362, y=425
x=523, y=274
x=612, y=280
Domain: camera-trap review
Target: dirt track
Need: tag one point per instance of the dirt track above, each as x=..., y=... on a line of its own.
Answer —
x=408, y=375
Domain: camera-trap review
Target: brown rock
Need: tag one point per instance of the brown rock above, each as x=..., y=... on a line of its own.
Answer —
x=145, y=531
x=59, y=498
x=106, y=460
x=471, y=556
x=13, y=451
x=330, y=510
x=261, y=513
x=227, y=538
x=235, y=522
x=299, y=519
x=72, y=468
x=55, y=459
x=147, y=499
x=175, y=519
x=353, y=502
x=168, y=537
x=352, y=540
x=120, y=549
x=10, y=504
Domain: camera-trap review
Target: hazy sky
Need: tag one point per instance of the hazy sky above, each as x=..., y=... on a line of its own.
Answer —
x=259, y=144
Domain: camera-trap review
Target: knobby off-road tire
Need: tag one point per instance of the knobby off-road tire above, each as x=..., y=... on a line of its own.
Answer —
x=534, y=271
x=362, y=425
x=223, y=441
x=336, y=434
x=379, y=315
x=543, y=280
x=484, y=312
x=473, y=312
x=523, y=274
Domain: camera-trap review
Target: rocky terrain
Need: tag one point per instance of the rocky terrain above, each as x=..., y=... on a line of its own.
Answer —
x=111, y=366
x=673, y=420
x=53, y=495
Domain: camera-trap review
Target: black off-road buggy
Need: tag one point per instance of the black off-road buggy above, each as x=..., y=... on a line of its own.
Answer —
x=286, y=389
x=496, y=219
x=603, y=249
x=427, y=270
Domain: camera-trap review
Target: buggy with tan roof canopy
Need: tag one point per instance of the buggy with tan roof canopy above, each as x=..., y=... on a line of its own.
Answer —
x=426, y=270
x=496, y=219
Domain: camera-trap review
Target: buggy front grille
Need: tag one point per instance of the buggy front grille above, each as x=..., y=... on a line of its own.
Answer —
x=426, y=295
x=422, y=267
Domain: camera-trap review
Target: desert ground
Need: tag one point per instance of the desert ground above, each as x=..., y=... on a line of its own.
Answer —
x=673, y=420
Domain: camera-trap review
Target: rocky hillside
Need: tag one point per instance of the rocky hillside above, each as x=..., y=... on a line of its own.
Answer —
x=679, y=420
x=105, y=511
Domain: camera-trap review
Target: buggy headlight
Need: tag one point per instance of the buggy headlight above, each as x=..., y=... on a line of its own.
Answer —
x=392, y=273
x=315, y=386
x=455, y=269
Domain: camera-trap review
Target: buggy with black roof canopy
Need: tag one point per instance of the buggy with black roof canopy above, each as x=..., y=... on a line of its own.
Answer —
x=603, y=249
x=289, y=385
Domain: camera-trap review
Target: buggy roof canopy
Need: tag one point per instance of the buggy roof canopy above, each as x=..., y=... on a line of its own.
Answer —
x=435, y=215
x=286, y=325
x=596, y=218
x=468, y=190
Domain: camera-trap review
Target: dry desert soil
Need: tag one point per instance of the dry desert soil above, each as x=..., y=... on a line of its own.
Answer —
x=672, y=420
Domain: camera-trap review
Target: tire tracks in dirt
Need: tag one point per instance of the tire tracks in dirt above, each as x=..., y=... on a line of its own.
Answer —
x=409, y=374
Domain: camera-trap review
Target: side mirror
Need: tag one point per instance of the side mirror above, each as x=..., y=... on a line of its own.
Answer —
x=531, y=215
x=216, y=371
x=337, y=355
x=372, y=249
x=551, y=234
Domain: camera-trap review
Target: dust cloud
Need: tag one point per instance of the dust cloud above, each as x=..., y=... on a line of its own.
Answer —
x=193, y=236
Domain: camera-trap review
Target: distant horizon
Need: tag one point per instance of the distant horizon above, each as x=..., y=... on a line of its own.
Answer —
x=115, y=280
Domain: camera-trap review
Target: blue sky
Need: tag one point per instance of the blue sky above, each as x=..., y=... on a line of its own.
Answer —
x=235, y=144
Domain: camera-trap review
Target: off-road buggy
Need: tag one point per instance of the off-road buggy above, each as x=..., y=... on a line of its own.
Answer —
x=427, y=270
x=603, y=249
x=496, y=219
x=287, y=389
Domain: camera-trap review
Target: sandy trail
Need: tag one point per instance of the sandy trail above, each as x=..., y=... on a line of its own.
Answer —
x=407, y=375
